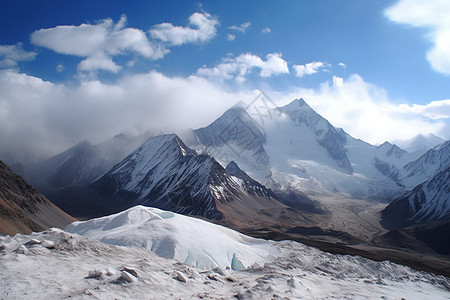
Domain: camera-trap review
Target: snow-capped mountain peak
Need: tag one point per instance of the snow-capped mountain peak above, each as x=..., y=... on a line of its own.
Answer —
x=420, y=143
x=330, y=138
x=391, y=150
x=429, y=201
x=427, y=165
x=167, y=174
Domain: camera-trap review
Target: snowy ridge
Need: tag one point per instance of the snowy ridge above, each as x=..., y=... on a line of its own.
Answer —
x=295, y=148
x=426, y=166
x=78, y=165
x=330, y=138
x=167, y=174
x=57, y=264
x=192, y=241
x=429, y=201
x=390, y=160
x=308, y=154
x=236, y=136
x=163, y=172
x=420, y=143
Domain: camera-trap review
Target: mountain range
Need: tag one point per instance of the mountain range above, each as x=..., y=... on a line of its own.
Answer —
x=289, y=156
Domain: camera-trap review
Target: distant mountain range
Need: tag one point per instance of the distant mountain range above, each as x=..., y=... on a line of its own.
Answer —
x=420, y=143
x=164, y=173
x=280, y=156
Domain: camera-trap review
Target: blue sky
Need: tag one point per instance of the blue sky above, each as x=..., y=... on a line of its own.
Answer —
x=379, y=69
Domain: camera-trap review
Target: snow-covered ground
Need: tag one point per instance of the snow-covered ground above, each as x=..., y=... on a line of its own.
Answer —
x=57, y=264
x=188, y=240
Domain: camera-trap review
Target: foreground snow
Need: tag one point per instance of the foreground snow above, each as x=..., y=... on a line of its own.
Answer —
x=57, y=264
x=192, y=241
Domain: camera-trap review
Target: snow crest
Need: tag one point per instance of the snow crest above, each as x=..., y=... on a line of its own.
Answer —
x=192, y=241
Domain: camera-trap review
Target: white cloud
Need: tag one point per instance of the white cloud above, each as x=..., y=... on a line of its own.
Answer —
x=131, y=63
x=39, y=116
x=98, y=43
x=238, y=67
x=202, y=29
x=242, y=28
x=310, y=68
x=366, y=112
x=266, y=30
x=341, y=64
x=60, y=68
x=231, y=37
x=434, y=110
x=98, y=61
x=11, y=54
x=434, y=15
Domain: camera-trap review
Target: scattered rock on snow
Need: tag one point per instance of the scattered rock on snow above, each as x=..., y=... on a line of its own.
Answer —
x=219, y=271
x=180, y=277
x=48, y=244
x=110, y=272
x=128, y=277
x=95, y=274
x=131, y=271
x=22, y=250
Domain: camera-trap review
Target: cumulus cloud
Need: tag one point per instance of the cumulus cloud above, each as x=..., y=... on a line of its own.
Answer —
x=341, y=64
x=98, y=61
x=365, y=111
x=201, y=29
x=241, y=28
x=434, y=110
x=266, y=30
x=434, y=15
x=240, y=66
x=11, y=54
x=98, y=43
x=310, y=68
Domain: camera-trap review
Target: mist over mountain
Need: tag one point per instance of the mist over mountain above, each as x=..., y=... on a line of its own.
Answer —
x=419, y=143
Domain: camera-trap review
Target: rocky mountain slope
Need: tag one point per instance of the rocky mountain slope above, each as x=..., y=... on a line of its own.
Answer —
x=429, y=201
x=23, y=209
x=165, y=173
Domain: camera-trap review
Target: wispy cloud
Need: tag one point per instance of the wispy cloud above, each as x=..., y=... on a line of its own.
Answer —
x=11, y=54
x=266, y=30
x=241, y=28
x=238, y=67
x=310, y=68
x=433, y=15
x=201, y=29
x=60, y=68
x=231, y=37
